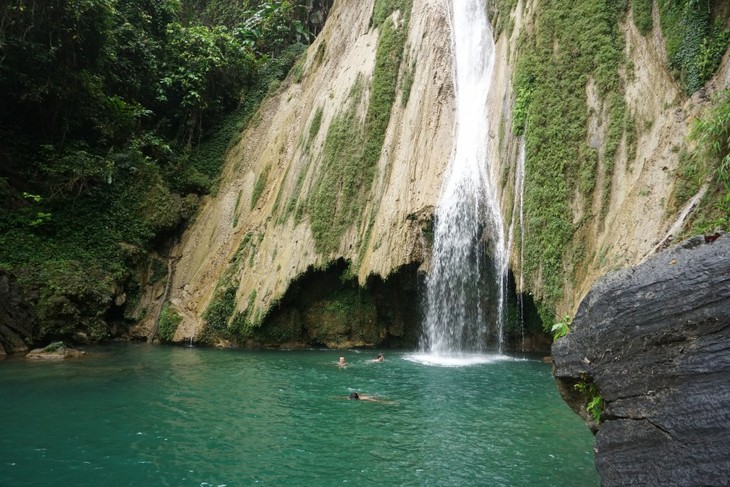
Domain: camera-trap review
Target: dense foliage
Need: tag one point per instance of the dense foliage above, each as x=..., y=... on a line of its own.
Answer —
x=110, y=130
x=697, y=36
x=708, y=163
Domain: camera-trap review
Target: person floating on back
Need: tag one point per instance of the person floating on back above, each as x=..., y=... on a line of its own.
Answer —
x=356, y=396
x=362, y=397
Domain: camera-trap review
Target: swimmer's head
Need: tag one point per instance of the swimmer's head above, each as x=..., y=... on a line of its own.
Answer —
x=354, y=395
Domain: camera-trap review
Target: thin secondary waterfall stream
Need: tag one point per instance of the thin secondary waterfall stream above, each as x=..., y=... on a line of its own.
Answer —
x=518, y=214
x=462, y=315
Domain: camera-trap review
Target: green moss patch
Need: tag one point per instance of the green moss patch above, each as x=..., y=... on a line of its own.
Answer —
x=641, y=14
x=709, y=162
x=696, y=38
x=169, y=321
x=352, y=146
x=259, y=187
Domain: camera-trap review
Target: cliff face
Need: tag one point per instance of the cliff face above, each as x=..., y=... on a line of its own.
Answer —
x=604, y=142
x=653, y=342
x=338, y=167
x=260, y=245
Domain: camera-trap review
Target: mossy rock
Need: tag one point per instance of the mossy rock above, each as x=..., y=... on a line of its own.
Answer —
x=54, y=351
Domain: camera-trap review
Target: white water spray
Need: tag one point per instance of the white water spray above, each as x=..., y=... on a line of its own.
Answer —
x=460, y=317
x=517, y=213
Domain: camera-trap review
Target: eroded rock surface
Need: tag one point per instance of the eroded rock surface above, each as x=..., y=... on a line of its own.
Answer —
x=655, y=340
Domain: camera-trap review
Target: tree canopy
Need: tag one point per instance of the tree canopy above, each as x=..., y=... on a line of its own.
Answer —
x=106, y=106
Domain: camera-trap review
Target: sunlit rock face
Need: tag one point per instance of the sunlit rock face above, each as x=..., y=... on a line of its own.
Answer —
x=654, y=341
x=274, y=236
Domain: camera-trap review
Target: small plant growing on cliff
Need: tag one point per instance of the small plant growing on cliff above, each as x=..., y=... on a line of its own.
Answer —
x=561, y=328
x=712, y=134
x=169, y=321
x=594, y=401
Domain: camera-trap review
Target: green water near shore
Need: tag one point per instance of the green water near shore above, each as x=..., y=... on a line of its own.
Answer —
x=151, y=415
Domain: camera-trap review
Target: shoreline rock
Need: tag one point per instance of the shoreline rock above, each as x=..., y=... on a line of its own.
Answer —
x=654, y=340
x=54, y=351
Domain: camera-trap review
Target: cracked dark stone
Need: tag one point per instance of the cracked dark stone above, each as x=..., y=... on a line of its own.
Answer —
x=655, y=340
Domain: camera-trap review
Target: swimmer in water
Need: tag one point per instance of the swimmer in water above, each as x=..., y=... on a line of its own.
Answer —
x=342, y=362
x=379, y=358
x=362, y=397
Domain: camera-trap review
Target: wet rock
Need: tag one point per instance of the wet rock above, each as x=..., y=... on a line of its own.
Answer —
x=17, y=320
x=81, y=338
x=54, y=351
x=655, y=341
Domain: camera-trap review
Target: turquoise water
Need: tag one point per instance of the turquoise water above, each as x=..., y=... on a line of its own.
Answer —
x=149, y=415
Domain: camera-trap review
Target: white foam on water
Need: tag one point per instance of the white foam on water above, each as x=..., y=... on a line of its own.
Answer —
x=458, y=360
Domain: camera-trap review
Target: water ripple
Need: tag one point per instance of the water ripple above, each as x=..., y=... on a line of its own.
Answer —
x=191, y=417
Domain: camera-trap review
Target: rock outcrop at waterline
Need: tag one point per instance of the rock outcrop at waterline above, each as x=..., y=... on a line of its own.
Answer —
x=655, y=341
x=54, y=351
x=17, y=319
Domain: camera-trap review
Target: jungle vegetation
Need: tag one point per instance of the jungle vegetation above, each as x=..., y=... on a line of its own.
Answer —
x=116, y=115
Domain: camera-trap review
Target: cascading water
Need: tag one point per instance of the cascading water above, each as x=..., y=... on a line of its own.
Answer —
x=521, y=282
x=518, y=213
x=460, y=316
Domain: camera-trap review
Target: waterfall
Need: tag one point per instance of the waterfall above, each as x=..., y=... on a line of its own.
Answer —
x=464, y=287
x=517, y=214
x=521, y=282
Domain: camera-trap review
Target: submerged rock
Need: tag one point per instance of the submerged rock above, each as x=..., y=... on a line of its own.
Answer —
x=654, y=342
x=54, y=351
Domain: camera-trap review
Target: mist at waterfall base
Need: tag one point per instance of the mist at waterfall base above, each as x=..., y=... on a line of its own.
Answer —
x=178, y=416
x=467, y=277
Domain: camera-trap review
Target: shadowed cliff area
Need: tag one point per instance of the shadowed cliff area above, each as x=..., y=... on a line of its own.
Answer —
x=328, y=308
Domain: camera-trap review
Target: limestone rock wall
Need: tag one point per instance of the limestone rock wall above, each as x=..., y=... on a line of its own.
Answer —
x=279, y=247
x=639, y=217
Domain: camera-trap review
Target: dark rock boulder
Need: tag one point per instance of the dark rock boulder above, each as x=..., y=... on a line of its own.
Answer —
x=17, y=320
x=654, y=341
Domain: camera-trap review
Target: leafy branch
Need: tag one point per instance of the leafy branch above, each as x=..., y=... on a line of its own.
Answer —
x=561, y=328
x=594, y=400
